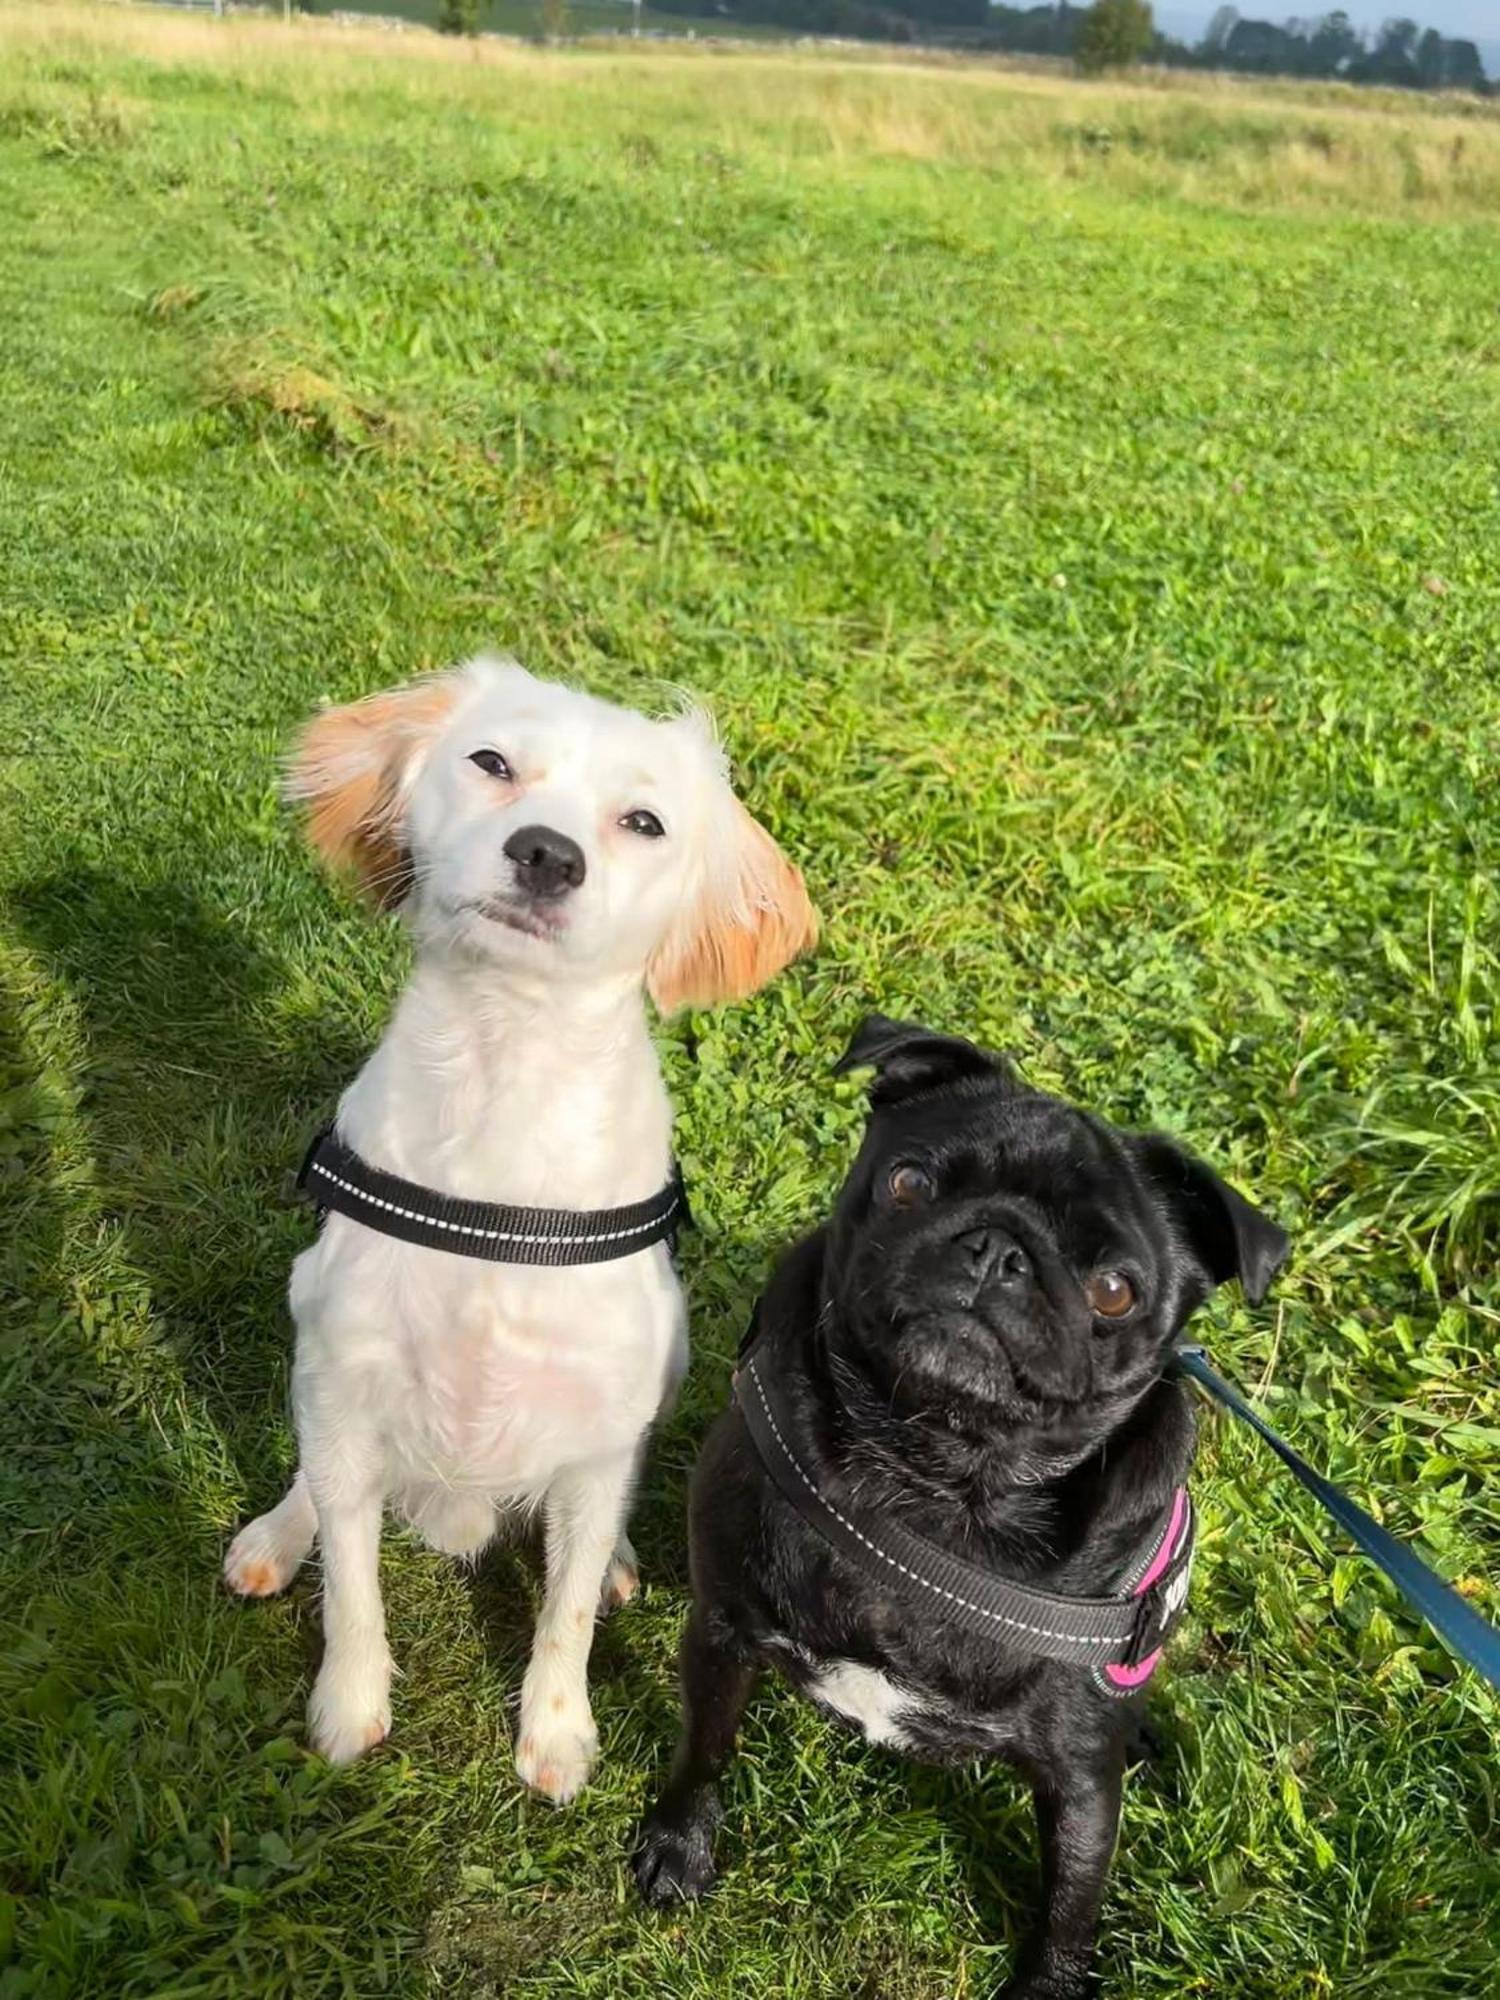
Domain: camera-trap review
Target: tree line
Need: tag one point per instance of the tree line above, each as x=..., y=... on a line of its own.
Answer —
x=1401, y=52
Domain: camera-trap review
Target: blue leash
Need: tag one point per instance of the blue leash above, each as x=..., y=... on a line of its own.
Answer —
x=1473, y=1638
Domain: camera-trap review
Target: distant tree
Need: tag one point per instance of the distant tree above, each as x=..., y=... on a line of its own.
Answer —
x=1440, y=64
x=1335, y=43
x=458, y=17
x=949, y=13
x=1393, y=58
x=1115, y=33
x=1263, y=47
x=1462, y=68
x=554, y=19
x=1299, y=36
x=1219, y=29
x=1034, y=31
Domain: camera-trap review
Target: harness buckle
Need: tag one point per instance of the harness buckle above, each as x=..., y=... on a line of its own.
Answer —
x=1161, y=1607
x=683, y=1219
x=294, y=1191
x=296, y=1184
x=1149, y=1629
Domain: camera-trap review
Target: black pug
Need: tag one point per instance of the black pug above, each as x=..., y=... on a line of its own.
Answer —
x=947, y=1502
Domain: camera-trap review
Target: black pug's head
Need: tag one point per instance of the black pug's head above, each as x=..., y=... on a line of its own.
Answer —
x=1007, y=1261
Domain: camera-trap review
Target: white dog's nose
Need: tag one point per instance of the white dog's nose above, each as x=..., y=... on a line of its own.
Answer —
x=548, y=863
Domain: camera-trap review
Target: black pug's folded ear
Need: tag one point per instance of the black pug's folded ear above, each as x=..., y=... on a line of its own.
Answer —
x=908, y=1059
x=1231, y=1238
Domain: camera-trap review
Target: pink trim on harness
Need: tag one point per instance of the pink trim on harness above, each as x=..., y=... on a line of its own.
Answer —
x=1132, y=1677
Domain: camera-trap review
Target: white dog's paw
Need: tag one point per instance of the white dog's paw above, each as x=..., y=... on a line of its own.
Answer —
x=556, y=1752
x=262, y=1559
x=621, y=1580
x=350, y=1710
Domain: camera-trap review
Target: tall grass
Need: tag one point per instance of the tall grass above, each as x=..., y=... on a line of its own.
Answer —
x=1215, y=138
x=1425, y=1161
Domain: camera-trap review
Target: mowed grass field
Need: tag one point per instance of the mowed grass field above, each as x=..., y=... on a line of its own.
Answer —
x=1079, y=506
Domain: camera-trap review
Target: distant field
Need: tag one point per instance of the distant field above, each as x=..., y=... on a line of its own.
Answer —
x=582, y=18
x=1079, y=505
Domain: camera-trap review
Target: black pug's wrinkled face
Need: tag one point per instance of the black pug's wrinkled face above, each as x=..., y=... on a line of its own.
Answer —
x=1010, y=1261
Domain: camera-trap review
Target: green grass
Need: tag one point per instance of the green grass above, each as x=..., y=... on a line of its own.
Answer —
x=1088, y=548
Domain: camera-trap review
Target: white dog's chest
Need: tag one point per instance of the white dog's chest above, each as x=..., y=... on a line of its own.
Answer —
x=488, y=1377
x=483, y=1399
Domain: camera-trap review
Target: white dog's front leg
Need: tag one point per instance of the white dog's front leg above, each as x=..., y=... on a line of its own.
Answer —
x=585, y=1509
x=265, y=1555
x=350, y=1710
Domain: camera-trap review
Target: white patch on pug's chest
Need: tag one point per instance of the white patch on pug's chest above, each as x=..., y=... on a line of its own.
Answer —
x=863, y=1696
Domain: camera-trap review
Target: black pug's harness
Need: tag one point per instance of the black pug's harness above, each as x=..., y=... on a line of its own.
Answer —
x=1120, y=1637
x=332, y=1176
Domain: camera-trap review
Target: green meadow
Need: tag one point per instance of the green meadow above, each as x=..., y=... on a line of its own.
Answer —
x=1078, y=505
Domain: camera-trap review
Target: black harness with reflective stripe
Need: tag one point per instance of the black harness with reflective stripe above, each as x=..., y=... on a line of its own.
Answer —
x=1121, y=1631
x=334, y=1177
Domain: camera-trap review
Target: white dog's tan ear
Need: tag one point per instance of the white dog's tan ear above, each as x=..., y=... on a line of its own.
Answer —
x=351, y=769
x=753, y=918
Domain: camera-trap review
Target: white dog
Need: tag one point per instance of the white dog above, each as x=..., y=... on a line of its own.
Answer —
x=554, y=856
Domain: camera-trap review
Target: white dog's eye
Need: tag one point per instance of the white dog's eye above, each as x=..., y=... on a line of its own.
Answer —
x=643, y=822
x=491, y=763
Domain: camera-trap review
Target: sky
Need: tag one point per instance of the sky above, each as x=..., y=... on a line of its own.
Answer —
x=1479, y=23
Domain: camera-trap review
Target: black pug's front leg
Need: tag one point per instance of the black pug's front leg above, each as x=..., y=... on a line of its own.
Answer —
x=1078, y=1817
x=673, y=1860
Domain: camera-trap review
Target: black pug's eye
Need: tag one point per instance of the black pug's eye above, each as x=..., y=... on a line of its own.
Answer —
x=909, y=1186
x=1110, y=1294
x=491, y=763
x=644, y=823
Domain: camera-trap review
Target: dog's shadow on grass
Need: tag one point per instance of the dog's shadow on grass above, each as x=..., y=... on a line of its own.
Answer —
x=990, y=1819
x=989, y=1822
x=195, y=1109
x=148, y=1249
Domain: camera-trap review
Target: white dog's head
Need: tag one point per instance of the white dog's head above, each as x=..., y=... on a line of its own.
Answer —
x=540, y=827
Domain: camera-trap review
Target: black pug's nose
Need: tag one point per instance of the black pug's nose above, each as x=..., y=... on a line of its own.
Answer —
x=548, y=864
x=996, y=1278
x=994, y=1258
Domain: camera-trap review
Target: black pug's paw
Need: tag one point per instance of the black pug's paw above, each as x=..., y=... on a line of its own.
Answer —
x=1069, y=1978
x=1039, y=1986
x=673, y=1864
